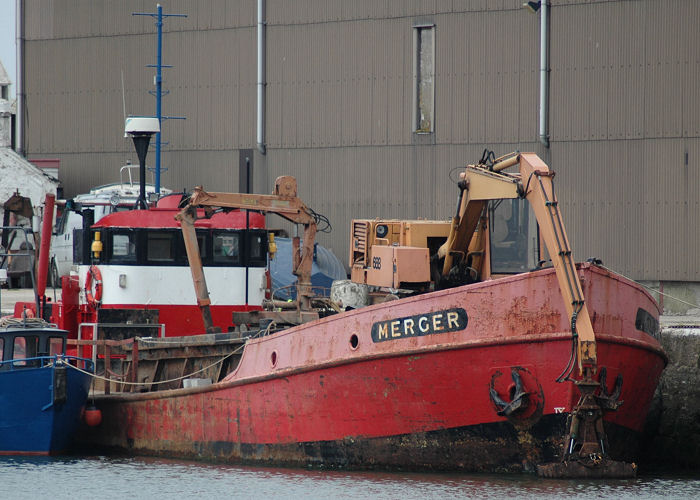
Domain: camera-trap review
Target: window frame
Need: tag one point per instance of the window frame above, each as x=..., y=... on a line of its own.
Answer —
x=415, y=126
x=134, y=239
x=31, y=349
x=261, y=259
x=221, y=261
x=531, y=236
x=52, y=341
x=251, y=242
x=165, y=235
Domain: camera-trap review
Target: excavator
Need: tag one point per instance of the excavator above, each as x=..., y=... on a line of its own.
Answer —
x=412, y=257
x=426, y=255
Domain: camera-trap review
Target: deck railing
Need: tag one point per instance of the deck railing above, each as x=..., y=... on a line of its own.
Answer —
x=44, y=361
x=110, y=350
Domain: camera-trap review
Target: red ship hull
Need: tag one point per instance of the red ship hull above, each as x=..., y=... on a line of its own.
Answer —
x=410, y=384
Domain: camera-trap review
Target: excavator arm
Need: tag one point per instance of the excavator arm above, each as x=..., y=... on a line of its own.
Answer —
x=481, y=183
x=584, y=453
x=539, y=191
x=283, y=202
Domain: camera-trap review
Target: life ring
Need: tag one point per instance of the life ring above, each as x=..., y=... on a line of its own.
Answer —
x=93, y=299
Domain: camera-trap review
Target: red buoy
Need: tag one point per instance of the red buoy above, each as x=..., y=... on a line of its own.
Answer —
x=93, y=416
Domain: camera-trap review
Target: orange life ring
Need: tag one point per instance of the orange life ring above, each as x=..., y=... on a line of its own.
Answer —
x=93, y=299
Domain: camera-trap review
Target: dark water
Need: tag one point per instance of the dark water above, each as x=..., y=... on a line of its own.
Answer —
x=135, y=478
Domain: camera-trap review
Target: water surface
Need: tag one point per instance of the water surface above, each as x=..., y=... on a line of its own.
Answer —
x=135, y=478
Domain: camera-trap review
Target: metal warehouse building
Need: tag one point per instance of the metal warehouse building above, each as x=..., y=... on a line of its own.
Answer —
x=372, y=103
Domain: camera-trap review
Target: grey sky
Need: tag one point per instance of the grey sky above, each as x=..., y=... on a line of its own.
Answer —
x=8, y=50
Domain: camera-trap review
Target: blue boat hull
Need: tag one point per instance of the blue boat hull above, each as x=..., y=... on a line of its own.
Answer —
x=40, y=409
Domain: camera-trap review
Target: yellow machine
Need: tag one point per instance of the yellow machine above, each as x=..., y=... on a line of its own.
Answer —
x=394, y=253
x=423, y=255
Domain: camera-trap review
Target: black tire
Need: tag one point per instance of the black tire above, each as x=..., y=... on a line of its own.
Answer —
x=53, y=280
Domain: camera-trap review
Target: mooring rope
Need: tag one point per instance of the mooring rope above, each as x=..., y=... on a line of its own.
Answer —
x=106, y=379
x=12, y=322
x=650, y=288
x=177, y=379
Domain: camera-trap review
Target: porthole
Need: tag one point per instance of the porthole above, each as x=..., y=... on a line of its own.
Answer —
x=354, y=341
x=273, y=358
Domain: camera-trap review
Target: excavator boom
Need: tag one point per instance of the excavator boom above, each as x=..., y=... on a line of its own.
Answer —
x=480, y=184
x=585, y=445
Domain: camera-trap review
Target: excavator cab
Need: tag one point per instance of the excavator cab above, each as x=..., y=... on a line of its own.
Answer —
x=494, y=232
x=403, y=255
x=513, y=239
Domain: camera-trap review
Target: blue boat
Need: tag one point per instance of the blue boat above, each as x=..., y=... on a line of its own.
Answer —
x=43, y=392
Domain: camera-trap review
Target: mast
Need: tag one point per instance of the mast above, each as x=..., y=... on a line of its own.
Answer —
x=158, y=80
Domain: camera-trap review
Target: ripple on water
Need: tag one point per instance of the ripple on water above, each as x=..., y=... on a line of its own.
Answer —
x=127, y=478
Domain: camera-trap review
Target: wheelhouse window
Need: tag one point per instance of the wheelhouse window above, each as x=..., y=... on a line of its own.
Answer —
x=78, y=247
x=123, y=247
x=24, y=348
x=160, y=246
x=166, y=247
x=55, y=345
x=202, y=237
x=513, y=237
x=227, y=249
x=423, y=78
x=257, y=249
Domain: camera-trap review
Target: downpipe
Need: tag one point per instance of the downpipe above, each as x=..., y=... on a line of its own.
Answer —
x=544, y=74
x=260, y=111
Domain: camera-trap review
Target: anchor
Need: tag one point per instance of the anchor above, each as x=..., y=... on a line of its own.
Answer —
x=519, y=399
x=606, y=400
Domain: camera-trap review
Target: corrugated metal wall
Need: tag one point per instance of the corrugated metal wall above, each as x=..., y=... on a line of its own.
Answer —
x=624, y=125
x=77, y=55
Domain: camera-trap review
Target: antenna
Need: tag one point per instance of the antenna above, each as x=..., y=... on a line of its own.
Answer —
x=159, y=80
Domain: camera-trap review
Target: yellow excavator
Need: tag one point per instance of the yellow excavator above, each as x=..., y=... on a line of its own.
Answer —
x=422, y=255
x=419, y=256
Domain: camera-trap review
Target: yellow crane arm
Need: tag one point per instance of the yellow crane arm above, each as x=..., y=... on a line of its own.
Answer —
x=539, y=191
x=478, y=185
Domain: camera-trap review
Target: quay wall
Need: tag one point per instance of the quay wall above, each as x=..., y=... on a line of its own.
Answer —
x=672, y=432
x=673, y=426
